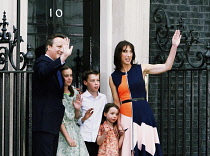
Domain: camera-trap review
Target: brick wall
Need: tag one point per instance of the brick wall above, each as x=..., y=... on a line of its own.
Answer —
x=178, y=97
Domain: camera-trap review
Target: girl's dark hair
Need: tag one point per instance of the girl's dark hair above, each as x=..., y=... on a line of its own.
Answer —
x=70, y=88
x=106, y=109
x=118, y=52
x=50, y=40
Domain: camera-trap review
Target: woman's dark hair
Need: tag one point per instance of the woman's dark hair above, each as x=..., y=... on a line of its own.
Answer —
x=106, y=109
x=118, y=52
x=70, y=88
x=51, y=38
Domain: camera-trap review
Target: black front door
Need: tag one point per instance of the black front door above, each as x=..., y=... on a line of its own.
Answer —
x=77, y=19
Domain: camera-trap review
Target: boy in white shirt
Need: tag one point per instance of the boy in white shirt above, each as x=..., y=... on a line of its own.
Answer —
x=93, y=104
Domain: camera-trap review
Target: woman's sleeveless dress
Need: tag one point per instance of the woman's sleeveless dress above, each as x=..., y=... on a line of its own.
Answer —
x=137, y=116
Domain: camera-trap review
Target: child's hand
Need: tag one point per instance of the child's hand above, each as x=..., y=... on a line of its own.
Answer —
x=72, y=143
x=88, y=114
x=120, y=127
x=122, y=132
x=78, y=102
x=106, y=129
x=79, y=90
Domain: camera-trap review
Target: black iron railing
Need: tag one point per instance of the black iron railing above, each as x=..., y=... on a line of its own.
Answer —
x=15, y=92
x=184, y=95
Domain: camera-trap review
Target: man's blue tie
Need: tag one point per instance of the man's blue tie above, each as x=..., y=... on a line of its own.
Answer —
x=60, y=78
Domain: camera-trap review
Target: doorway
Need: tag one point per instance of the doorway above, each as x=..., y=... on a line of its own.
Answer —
x=77, y=19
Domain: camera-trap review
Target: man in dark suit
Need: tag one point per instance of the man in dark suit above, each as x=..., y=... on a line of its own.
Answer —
x=47, y=94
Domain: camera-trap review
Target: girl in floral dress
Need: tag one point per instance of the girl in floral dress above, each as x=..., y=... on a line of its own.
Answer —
x=70, y=141
x=109, y=139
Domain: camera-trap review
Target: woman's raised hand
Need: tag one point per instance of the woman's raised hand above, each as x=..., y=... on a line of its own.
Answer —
x=176, y=38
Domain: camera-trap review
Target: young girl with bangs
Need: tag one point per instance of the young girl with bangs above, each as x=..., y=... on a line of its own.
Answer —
x=109, y=138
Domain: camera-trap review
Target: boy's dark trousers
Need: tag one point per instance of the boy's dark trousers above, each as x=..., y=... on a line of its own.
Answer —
x=92, y=148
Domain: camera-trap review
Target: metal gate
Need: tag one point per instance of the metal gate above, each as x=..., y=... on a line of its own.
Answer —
x=184, y=112
x=182, y=95
x=15, y=92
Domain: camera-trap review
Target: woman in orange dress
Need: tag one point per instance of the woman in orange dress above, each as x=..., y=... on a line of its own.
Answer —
x=128, y=91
